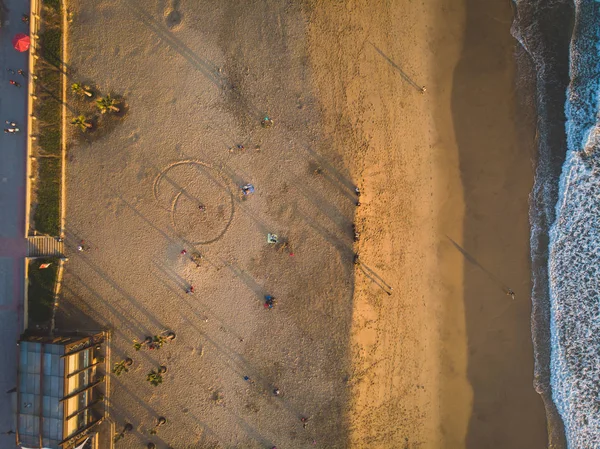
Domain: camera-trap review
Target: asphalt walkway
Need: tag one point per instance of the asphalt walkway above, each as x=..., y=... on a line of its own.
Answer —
x=13, y=107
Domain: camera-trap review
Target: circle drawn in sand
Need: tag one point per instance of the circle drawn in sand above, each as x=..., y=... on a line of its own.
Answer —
x=199, y=199
x=173, y=18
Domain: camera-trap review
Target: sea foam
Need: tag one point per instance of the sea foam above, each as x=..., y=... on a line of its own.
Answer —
x=574, y=249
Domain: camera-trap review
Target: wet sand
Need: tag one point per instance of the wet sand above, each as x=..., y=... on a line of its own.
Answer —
x=495, y=136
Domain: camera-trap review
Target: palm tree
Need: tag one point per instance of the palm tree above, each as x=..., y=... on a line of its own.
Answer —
x=161, y=420
x=80, y=89
x=154, y=377
x=122, y=366
x=119, y=436
x=82, y=122
x=158, y=341
x=107, y=104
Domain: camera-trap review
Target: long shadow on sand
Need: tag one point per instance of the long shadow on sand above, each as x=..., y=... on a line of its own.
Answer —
x=496, y=173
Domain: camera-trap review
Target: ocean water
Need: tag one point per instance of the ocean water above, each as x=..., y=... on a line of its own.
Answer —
x=565, y=212
x=574, y=257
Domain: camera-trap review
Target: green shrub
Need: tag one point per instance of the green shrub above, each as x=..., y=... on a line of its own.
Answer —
x=46, y=216
x=40, y=294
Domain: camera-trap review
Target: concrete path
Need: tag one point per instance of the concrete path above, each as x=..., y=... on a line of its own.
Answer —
x=13, y=107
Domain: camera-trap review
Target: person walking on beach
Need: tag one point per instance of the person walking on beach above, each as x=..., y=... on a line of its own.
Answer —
x=190, y=290
x=269, y=301
x=510, y=293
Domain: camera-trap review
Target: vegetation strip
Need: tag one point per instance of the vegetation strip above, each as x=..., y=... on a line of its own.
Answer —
x=42, y=280
x=47, y=110
x=47, y=152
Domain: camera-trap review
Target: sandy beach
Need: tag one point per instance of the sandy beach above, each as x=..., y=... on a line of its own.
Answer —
x=417, y=344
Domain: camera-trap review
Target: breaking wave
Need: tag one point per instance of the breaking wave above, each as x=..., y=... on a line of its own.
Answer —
x=565, y=212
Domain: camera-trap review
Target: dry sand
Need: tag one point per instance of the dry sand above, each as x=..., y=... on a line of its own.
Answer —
x=445, y=360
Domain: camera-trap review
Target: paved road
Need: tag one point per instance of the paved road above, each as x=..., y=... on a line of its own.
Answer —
x=13, y=107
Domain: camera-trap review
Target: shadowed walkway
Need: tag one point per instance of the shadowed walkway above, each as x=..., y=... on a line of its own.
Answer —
x=13, y=107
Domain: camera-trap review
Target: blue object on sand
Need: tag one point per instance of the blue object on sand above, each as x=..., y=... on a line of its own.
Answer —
x=247, y=189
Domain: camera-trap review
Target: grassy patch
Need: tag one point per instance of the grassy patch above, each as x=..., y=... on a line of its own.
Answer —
x=47, y=216
x=52, y=4
x=49, y=113
x=40, y=295
x=50, y=142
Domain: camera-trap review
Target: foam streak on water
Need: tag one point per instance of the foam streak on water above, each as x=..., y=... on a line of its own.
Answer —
x=574, y=256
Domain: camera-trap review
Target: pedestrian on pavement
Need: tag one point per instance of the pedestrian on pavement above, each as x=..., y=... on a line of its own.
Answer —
x=14, y=83
x=22, y=73
x=25, y=18
x=11, y=71
x=8, y=122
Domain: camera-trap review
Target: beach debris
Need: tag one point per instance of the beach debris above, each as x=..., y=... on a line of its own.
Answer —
x=266, y=122
x=218, y=397
x=304, y=421
x=272, y=238
x=196, y=258
x=247, y=189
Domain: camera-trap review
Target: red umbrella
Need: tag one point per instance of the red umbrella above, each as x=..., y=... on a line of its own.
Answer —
x=21, y=42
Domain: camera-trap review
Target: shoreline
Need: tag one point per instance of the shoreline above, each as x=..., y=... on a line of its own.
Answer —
x=548, y=55
x=496, y=141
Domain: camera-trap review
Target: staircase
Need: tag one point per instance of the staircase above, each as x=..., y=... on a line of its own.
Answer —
x=44, y=246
